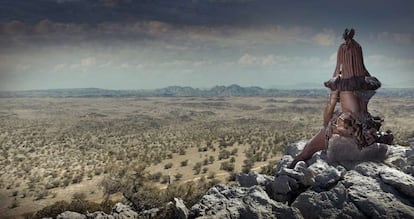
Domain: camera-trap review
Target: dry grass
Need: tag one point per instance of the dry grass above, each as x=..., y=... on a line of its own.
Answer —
x=52, y=148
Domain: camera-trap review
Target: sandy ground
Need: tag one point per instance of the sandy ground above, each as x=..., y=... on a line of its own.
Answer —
x=42, y=139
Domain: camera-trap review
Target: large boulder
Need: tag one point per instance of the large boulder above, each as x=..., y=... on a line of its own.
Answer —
x=349, y=188
x=342, y=148
x=376, y=199
x=333, y=203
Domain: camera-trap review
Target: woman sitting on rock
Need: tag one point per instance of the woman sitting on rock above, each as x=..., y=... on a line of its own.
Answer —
x=352, y=86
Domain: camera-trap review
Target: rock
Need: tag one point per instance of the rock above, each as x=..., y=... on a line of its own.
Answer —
x=70, y=215
x=320, y=155
x=323, y=174
x=283, y=189
x=374, y=198
x=345, y=149
x=314, y=189
x=410, y=160
x=370, y=169
x=121, y=211
x=294, y=149
x=292, y=173
x=180, y=210
x=402, y=182
x=283, y=163
x=281, y=185
x=397, y=157
x=252, y=179
x=99, y=215
x=333, y=203
x=222, y=201
x=151, y=213
x=409, y=151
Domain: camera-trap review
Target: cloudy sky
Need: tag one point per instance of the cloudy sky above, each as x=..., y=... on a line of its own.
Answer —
x=135, y=44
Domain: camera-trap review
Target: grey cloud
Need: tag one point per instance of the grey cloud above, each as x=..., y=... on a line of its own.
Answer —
x=320, y=13
x=65, y=1
x=13, y=28
x=46, y=31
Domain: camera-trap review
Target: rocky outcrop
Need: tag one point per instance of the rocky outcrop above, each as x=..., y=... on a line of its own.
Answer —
x=70, y=215
x=318, y=189
x=313, y=189
x=119, y=211
x=253, y=202
x=252, y=179
x=348, y=189
x=180, y=211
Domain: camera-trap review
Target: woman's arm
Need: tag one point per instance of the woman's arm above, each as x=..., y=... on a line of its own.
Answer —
x=330, y=107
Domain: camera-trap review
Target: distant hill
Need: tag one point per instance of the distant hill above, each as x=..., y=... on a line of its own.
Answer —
x=178, y=91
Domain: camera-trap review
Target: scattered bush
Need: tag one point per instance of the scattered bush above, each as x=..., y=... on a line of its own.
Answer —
x=211, y=175
x=211, y=159
x=184, y=163
x=227, y=166
x=79, y=196
x=234, y=152
x=223, y=154
x=42, y=194
x=231, y=177
x=14, y=204
x=197, y=168
x=205, y=169
x=247, y=166
x=182, y=151
x=178, y=176
x=155, y=177
x=165, y=179
x=269, y=169
x=168, y=165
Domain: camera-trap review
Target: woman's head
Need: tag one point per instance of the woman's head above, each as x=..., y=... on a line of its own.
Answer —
x=348, y=35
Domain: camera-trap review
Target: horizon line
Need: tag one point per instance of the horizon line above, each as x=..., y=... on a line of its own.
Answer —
x=283, y=88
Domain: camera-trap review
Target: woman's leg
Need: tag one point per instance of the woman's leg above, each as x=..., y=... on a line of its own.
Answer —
x=316, y=144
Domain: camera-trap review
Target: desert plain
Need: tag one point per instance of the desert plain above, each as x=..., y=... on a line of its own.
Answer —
x=53, y=148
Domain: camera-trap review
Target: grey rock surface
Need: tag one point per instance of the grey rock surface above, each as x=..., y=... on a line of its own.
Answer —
x=324, y=174
x=345, y=149
x=121, y=211
x=294, y=148
x=333, y=203
x=99, y=215
x=252, y=179
x=404, y=183
x=375, y=199
x=71, y=215
x=180, y=210
x=150, y=213
x=222, y=201
x=348, y=189
x=283, y=163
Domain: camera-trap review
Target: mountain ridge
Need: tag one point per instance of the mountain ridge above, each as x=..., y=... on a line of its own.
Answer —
x=187, y=91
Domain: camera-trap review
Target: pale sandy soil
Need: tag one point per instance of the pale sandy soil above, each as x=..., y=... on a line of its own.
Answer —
x=55, y=141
